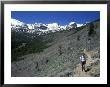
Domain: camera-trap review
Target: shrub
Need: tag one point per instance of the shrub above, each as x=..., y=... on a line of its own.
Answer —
x=78, y=37
x=60, y=49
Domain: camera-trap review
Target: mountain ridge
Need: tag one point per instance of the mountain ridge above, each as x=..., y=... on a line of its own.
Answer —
x=42, y=28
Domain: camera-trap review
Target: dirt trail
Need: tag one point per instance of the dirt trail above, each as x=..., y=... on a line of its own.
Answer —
x=90, y=67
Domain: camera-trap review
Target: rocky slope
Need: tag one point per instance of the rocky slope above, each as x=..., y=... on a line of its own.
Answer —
x=61, y=59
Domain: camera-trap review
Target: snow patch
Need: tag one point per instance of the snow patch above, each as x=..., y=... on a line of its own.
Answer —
x=53, y=26
x=16, y=22
x=71, y=23
x=79, y=25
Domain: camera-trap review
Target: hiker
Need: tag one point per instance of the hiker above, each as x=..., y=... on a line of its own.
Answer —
x=83, y=61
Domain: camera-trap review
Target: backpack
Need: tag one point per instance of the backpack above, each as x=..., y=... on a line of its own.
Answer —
x=82, y=58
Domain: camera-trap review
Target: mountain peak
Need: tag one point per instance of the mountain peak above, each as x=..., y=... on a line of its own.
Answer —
x=53, y=27
x=16, y=22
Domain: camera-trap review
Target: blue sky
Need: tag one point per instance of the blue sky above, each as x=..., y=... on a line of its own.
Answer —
x=61, y=17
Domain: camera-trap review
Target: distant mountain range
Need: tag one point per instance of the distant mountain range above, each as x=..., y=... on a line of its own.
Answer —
x=40, y=28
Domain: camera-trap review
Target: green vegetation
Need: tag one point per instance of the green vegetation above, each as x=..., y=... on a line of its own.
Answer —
x=24, y=43
x=91, y=29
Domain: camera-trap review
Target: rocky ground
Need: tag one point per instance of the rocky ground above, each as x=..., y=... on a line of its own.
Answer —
x=61, y=59
x=92, y=66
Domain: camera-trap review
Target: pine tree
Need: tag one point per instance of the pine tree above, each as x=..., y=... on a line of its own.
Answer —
x=91, y=29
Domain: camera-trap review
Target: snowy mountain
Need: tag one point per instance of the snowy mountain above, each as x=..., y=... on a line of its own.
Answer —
x=41, y=28
x=15, y=22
